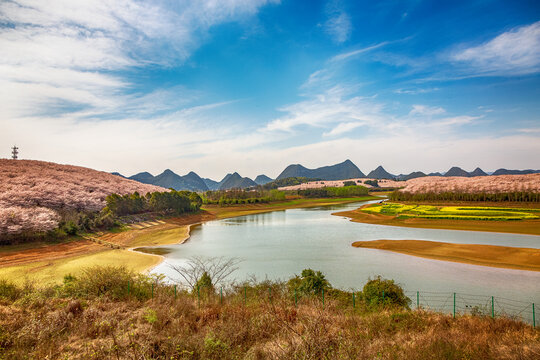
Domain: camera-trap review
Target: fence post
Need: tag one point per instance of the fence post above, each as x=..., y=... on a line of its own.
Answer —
x=454, y=305
x=492, y=307
x=353, y=303
x=174, y=292
x=417, y=299
x=152, y=290
x=221, y=295
x=534, y=318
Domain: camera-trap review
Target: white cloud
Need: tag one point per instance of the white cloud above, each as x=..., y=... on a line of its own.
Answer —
x=63, y=53
x=426, y=110
x=334, y=105
x=338, y=25
x=353, y=53
x=343, y=128
x=515, y=52
x=415, y=91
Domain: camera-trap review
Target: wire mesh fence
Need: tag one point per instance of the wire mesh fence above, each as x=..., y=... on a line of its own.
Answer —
x=481, y=305
x=452, y=303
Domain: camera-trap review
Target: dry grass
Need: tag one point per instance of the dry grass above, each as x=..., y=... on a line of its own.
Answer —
x=486, y=255
x=46, y=326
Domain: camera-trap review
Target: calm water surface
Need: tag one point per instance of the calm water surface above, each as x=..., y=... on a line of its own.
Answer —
x=279, y=244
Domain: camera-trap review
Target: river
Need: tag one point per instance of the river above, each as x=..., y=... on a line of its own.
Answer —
x=279, y=244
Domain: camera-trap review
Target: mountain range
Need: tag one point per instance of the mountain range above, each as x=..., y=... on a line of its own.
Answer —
x=341, y=171
x=344, y=170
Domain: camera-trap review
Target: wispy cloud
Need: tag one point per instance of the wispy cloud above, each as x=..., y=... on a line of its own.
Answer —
x=338, y=25
x=415, y=91
x=334, y=105
x=343, y=128
x=69, y=54
x=426, y=110
x=515, y=52
x=353, y=53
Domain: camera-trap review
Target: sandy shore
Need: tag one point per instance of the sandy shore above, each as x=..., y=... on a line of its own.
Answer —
x=486, y=255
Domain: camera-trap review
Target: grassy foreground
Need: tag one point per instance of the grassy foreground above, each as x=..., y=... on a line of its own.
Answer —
x=471, y=217
x=486, y=255
x=95, y=316
x=48, y=262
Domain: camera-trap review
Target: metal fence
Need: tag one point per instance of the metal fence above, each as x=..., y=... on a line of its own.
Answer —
x=443, y=302
x=460, y=304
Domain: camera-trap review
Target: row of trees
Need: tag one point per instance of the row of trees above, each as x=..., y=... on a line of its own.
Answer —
x=172, y=202
x=240, y=196
x=517, y=196
x=328, y=192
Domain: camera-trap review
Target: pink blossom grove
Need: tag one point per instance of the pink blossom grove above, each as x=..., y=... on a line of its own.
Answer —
x=31, y=192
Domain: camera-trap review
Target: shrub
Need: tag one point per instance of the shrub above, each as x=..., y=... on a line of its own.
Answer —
x=386, y=292
x=8, y=290
x=310, y=282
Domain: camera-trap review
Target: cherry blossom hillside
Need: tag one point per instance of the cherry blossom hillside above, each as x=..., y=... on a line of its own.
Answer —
x=33, y=192
x=478, y=184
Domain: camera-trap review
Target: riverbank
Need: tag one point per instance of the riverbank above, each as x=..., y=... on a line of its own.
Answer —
x=529, y=227
x=485, y=255
x=47, y=263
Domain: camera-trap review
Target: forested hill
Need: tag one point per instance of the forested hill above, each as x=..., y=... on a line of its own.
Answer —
x=344, y=170
x=34, y=193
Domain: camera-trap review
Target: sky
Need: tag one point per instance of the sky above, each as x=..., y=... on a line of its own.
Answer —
x=217, y=86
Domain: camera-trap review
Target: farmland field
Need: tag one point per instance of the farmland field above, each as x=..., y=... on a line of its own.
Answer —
x=407, y=211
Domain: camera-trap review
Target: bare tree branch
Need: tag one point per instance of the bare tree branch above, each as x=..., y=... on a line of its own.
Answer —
x=218, y=268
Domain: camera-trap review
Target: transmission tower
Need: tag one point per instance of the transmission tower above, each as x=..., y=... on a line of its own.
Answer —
x=14, y=152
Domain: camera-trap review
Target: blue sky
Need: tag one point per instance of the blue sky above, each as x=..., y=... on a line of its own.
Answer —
x=252, y=86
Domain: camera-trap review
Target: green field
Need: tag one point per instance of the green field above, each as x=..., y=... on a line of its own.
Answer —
x=407, y=211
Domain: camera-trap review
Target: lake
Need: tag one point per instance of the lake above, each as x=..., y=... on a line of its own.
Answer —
x=279, y=244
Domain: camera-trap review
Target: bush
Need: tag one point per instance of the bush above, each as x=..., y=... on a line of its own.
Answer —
x=8, y=290
x=311, y=282
x=393, y=294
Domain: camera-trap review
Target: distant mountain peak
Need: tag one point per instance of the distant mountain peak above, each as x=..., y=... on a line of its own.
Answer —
x=478, y=172
x=262, y=179
x=380, y=173
x=235, y=181
x=344, y=170
x=457, y=171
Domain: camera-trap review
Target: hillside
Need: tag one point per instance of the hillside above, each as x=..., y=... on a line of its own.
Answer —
x=211, y=184
x=341, y=171
x=32, y=192
x=194, y=182
x=380, y=173
x=456, y=171
x=235, y=181
x=262, y=179
x=169, y=179
x=479, y=184
x=110, y=313
x=515, y=172
x=478, y=172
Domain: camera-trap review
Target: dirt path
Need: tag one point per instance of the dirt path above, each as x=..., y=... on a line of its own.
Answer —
x=486, y=255
x=50, y=252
